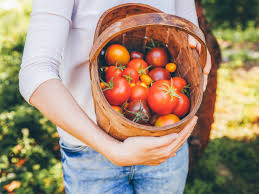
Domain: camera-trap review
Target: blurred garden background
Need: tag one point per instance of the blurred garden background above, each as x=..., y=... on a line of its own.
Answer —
x=29, y=151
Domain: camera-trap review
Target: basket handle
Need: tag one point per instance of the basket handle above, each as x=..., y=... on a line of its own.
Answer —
x=147, y=19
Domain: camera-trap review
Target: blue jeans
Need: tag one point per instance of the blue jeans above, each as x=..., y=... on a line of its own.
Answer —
x=87, y=171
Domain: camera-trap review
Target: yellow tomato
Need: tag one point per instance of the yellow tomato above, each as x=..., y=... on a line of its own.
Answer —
x=146, y=79
x=166, y=120
x=171, y=67
x=132, y=85
x=143, y=84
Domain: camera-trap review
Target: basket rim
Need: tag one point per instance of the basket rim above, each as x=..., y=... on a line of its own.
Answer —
x=102, y=41
x=94, y=59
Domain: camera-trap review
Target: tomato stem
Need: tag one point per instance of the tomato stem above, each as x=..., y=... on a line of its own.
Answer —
x=153, y=43
x=140, y=114
x=128, y=78
x=171, y=90
x=121, y=67
x=186, y=89
x=142, y=71
x=110, y=85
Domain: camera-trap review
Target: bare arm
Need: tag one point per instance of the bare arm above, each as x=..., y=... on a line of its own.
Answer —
x=40, y=85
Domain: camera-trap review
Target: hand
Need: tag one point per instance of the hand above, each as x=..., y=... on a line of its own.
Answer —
x=151, y=150
x=206, y=70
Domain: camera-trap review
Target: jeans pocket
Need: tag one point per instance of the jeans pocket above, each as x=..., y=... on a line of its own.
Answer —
x=72, y=148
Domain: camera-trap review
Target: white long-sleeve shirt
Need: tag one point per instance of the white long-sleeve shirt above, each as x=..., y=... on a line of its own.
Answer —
x=59, y=40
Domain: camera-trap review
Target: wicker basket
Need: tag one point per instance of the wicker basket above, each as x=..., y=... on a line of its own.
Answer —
x=134, y=25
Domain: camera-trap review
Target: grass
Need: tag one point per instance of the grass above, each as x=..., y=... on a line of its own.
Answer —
x=29, y=156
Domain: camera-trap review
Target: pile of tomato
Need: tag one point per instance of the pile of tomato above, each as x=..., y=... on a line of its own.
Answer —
x=144, y=88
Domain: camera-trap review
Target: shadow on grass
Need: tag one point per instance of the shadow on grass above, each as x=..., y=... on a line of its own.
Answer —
x=228, y=166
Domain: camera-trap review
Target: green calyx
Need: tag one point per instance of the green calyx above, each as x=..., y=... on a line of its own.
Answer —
x=140, y=115
x=110, y=85
x=120, y=67
x=170, y=90
x=142, y=71
x=128, y=78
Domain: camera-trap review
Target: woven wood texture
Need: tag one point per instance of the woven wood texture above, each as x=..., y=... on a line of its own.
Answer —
x=134, y=25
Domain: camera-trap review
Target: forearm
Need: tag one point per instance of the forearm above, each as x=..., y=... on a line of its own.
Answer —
x=57, y=104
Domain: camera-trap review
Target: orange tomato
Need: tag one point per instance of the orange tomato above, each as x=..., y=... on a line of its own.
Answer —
x=117, y=109
x=132, y=85
x=171, y=67
x=106, y=69
x=102, y=85
x=117, y=54
x=146, y=79
x=166, y=120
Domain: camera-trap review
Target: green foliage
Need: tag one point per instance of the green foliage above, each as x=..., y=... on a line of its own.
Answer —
x=28, y=141
x=227, y=166
x=238, y=35
x=231, y=13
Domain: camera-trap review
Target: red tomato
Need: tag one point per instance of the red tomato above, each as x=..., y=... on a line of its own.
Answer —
x=179, y=83
x=131, y=75
x=183, y=105
x=117, y=91
x=139, y=65
x=117, y=54
x=162, y=97
x=166, y=120
x=157, y=57
x=139, y=93
x=159, y=73
x=114, y=72
x=136, y=55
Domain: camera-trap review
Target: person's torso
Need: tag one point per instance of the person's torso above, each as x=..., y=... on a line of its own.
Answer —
x=74, y=70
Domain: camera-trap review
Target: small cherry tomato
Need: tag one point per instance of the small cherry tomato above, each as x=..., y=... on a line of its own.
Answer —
x=106, y=69
x=146, y=79
x=102, y=85
x=132, y=85
x=171, y=67
x=166, y=120
x=117, y=109
x=143, y=84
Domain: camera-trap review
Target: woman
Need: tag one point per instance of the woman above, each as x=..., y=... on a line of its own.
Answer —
x=54, y=80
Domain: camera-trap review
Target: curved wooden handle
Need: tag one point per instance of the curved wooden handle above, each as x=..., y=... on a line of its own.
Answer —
x=147, y=19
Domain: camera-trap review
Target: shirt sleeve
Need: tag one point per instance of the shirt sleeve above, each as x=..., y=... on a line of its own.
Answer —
x=186, y=9
x=45, y=41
